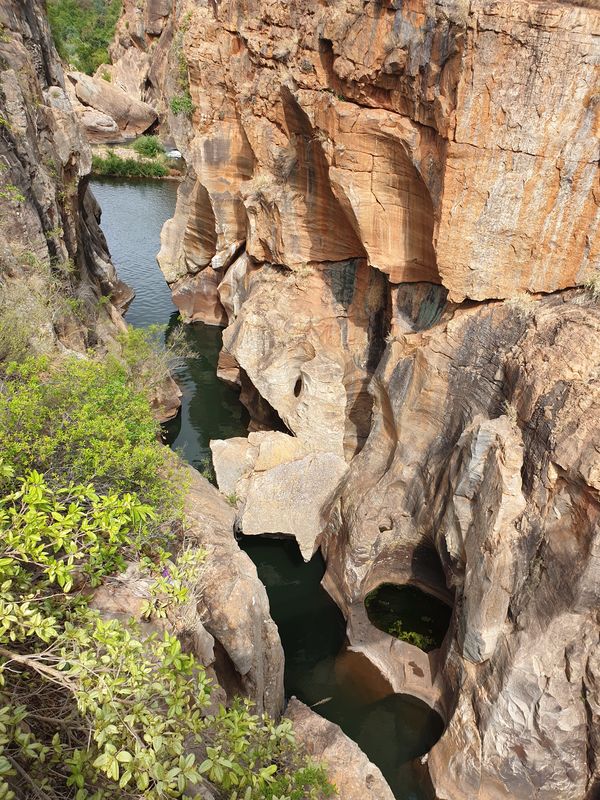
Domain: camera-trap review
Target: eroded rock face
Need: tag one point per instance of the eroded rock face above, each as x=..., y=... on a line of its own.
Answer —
x=348, y=768
x=416, y=136
x=227, y=624
x=338, y=153
x=279, y=485
x=53, y=257
x=480, y=478
x=234, y=605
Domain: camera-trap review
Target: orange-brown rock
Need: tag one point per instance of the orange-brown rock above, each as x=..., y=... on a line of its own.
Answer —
x=443, y=141
x=96, y=101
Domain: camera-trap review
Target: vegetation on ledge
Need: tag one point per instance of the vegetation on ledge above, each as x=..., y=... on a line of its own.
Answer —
x=83, y=29
x=92, y=709
x=115, y=166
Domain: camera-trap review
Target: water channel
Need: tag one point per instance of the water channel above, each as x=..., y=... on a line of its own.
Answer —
x=394, y=730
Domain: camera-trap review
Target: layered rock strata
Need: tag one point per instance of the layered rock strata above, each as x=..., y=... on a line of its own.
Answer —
x=356, y=170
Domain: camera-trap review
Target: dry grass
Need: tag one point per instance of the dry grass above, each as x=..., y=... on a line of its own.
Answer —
x=592, y=286
x=521, y=303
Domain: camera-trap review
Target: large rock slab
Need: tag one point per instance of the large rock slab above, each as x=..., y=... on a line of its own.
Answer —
x=348, y=768
x=280, y=485
x=130, y=115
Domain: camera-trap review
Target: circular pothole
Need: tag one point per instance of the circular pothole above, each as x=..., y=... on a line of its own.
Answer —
x=409, y=614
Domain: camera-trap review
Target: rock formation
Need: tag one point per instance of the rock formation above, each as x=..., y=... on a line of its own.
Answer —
x=493, y=495
x=54, y=263
x=56, y=274
x=353, y=775
x=234, y=604
x=370, y=170
x=226, y=623
x=279, y=485
x=107, y=112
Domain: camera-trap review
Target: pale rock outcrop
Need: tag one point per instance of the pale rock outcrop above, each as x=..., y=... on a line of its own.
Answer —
x=279, y=485
x=348, y=768
x=308, y=341
x=480, y=480
x=97, y=101
x=234, y=607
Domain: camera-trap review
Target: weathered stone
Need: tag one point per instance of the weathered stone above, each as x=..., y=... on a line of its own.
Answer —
x=292, y=498
x=480, y=475
x=131, y=116
x=281, y=485
x=308, y=342
x=46, y=222
x=234, y=607
x=197, y=298
x=348, y=768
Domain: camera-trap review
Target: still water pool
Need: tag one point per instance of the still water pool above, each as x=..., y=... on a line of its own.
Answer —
x=394, y=730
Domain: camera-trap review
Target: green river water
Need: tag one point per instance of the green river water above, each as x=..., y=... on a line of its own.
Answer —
x=394, y=730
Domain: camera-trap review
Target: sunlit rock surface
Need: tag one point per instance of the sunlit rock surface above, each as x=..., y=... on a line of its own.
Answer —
x=349, y=769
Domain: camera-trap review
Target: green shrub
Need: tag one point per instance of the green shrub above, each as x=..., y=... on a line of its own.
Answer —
x=421, y=640
x=91, y=708
x=83, y=29
x=148, y=146
x=117, y=167
x=182, y=104
x=78, y=419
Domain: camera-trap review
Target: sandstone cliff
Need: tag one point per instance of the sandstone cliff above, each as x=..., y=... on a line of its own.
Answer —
x=59, y=291
x=360, y=172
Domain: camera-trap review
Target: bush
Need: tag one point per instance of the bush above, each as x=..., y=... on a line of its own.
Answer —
x=92, y=709
x=117, y=167
x=151, y=356
x=78, y=419
x=148, y=146
x=83, y=29
x=182, y=104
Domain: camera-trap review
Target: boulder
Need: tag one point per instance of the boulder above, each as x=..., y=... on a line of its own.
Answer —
x=348, y=768
x=131, y=116
x=281, y=486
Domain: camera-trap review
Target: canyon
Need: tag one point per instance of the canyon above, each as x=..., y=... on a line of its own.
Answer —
x=392, y=209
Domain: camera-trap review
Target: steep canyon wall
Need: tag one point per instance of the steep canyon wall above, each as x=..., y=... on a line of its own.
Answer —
x=378, y=197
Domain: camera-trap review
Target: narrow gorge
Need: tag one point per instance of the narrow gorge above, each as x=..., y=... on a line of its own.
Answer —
x=380, y=307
